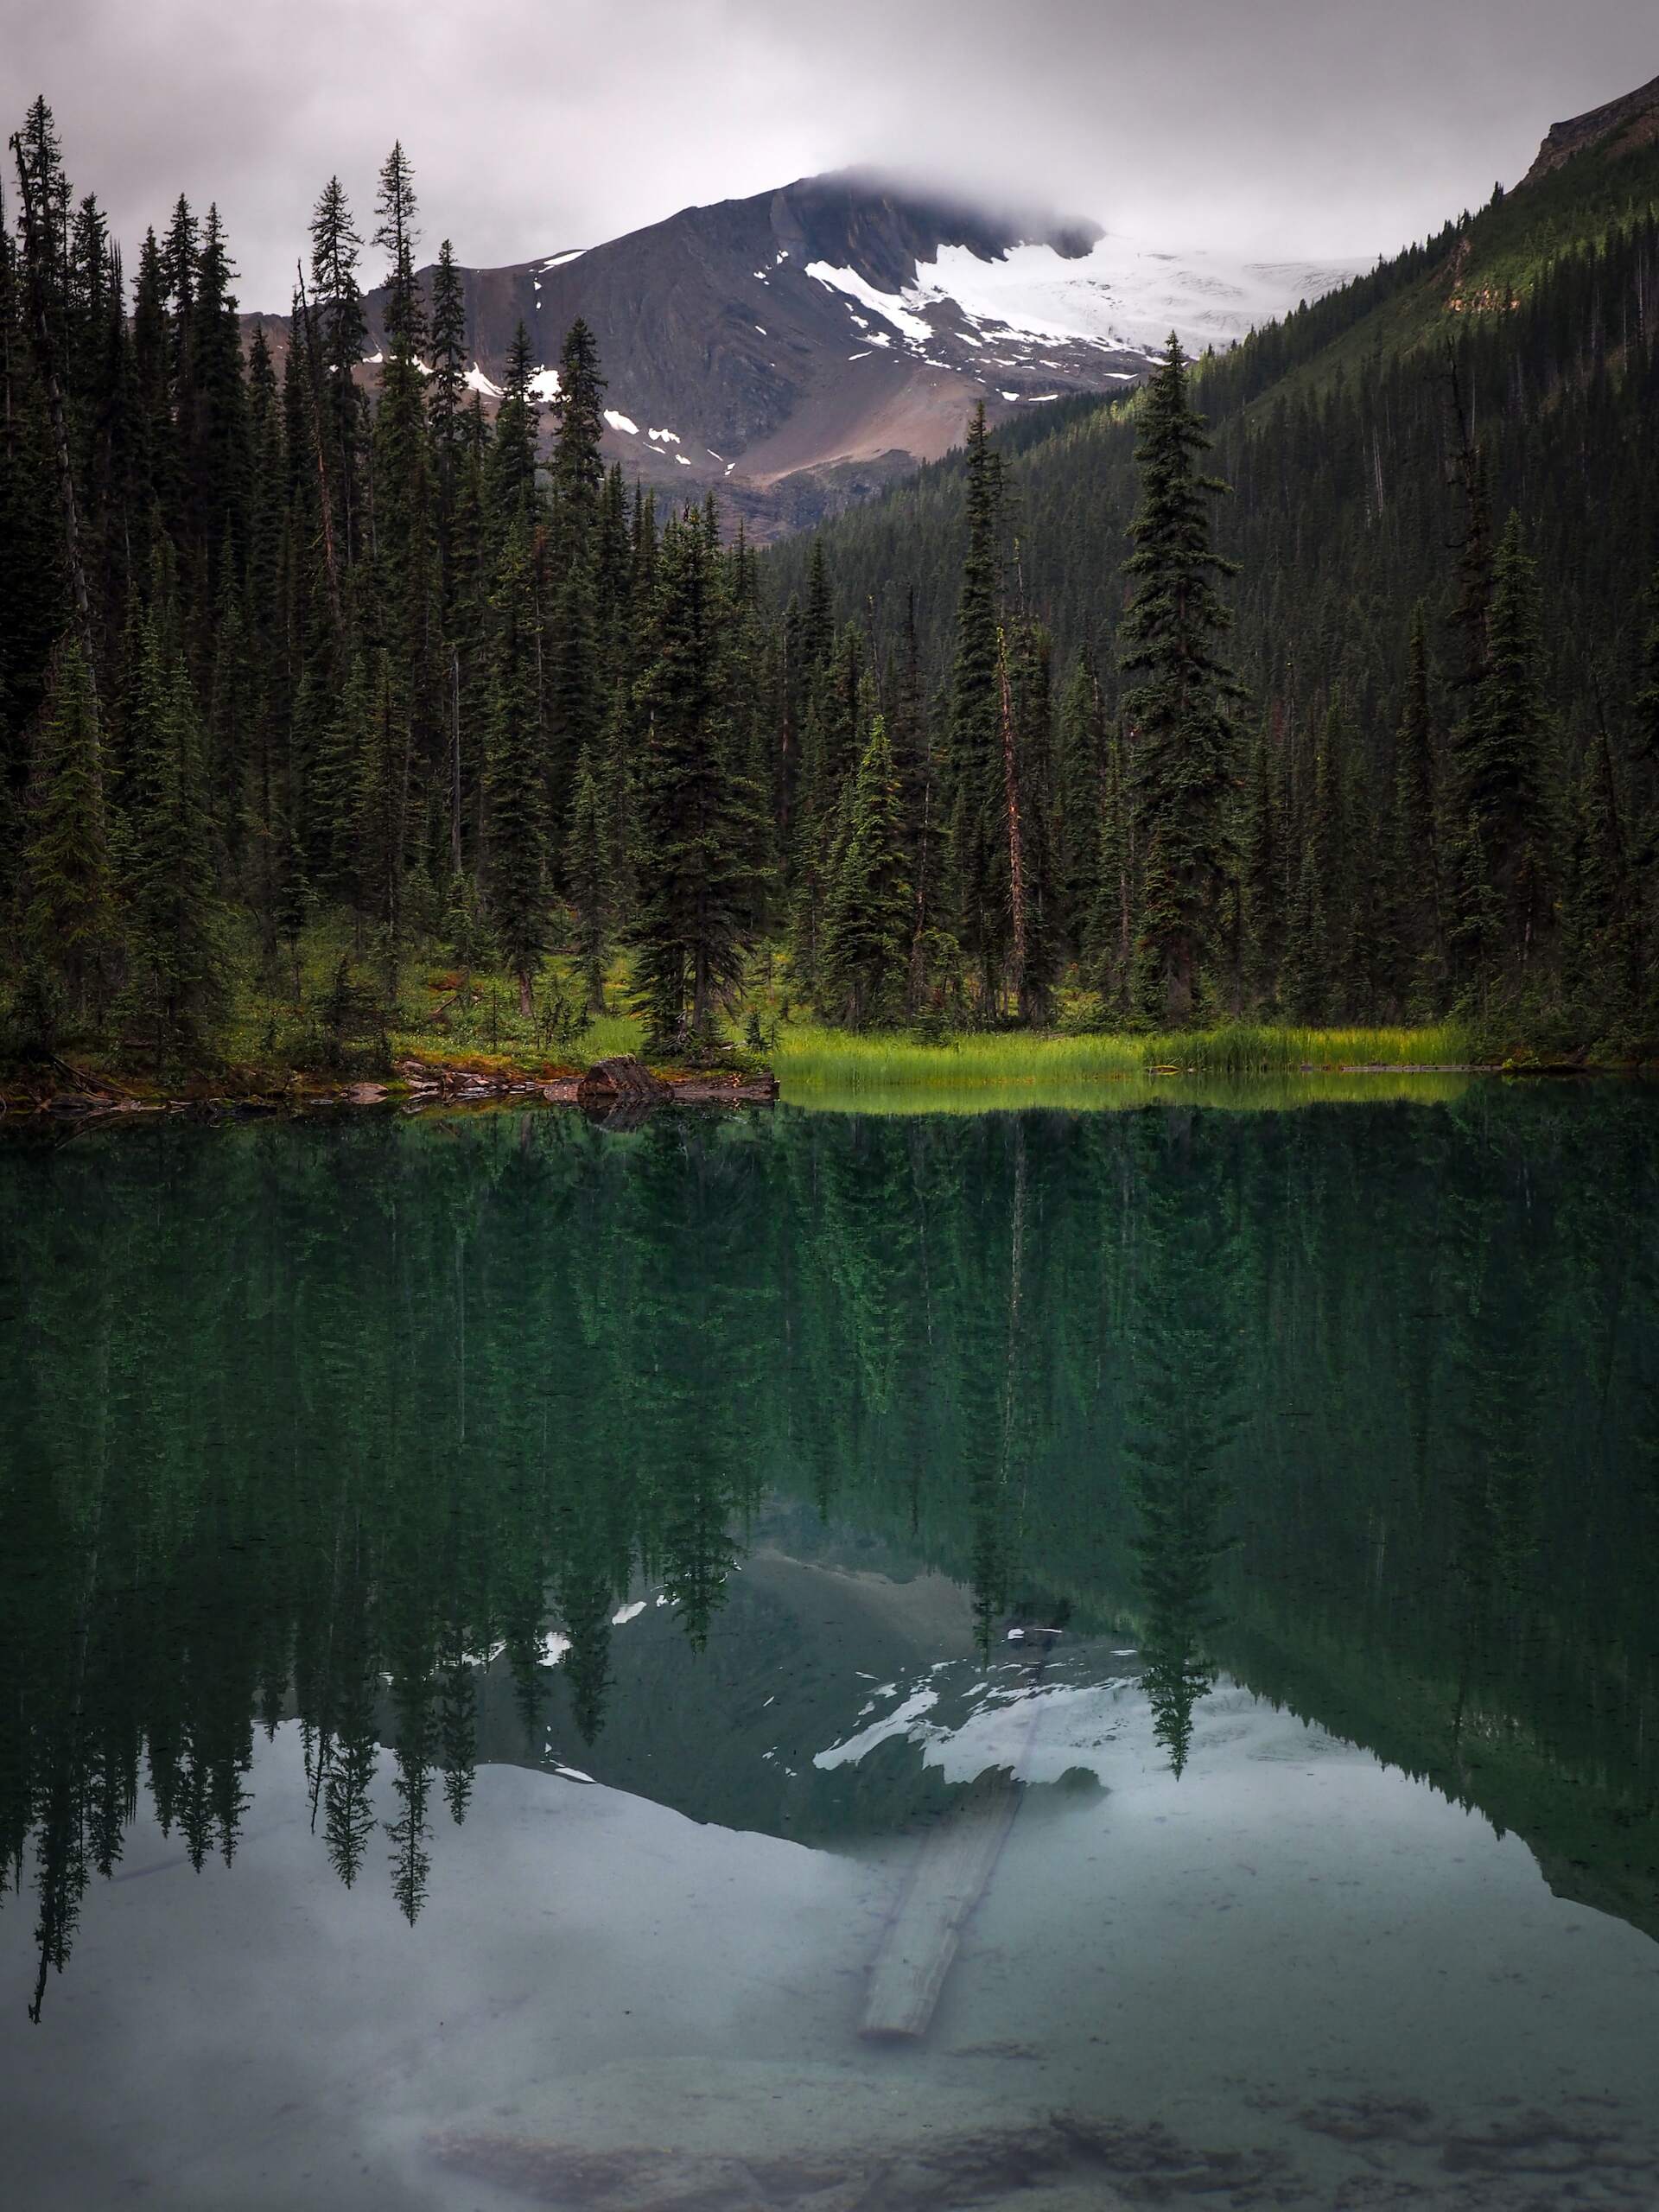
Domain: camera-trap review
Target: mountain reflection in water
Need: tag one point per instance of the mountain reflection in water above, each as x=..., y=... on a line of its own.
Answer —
x=358, y=1426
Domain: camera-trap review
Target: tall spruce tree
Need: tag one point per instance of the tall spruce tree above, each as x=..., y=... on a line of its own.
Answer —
x=1502, y=762
x=338, y=331
x=979, y=828
x=514, y=786
x=1176, y=704
x=69, y=916
x=578, y=466
x=864, y=963
x=1079, y=792
x=695, y=806
x=1417, y=858
x=177, y=918
x=590, y=873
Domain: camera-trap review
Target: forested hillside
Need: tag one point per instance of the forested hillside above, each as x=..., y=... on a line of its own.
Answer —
x=315, y=690
x=1377, y=445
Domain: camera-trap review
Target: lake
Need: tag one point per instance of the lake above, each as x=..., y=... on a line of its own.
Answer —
x=829, y=1660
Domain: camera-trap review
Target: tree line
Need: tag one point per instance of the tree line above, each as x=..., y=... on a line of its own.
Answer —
x=277, y=648
x=304, y=642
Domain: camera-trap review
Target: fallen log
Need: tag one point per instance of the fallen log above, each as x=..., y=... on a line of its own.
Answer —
x=621, y=1081
x=950, y=1874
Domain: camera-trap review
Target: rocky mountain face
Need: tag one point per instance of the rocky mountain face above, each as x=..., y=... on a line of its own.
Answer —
x=1620, y=127
x=798, y=349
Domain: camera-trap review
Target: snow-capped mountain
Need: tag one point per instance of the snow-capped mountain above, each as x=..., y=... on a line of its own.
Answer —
x=799, y=348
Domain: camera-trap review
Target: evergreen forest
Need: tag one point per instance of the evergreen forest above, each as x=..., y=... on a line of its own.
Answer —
x=1316, y=682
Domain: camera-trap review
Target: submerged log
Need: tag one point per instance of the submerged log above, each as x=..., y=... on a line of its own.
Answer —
x=952, y=1873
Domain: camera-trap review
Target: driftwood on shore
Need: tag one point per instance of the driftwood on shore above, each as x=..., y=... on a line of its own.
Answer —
x=623, y=1080
x=623, y=1090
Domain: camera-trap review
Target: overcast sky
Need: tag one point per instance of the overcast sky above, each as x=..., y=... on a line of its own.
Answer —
x=1321, y=127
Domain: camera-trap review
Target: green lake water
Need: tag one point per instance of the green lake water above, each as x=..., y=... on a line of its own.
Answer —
x=506, y=1623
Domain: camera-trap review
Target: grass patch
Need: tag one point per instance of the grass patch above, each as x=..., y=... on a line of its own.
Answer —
x=810, y=1060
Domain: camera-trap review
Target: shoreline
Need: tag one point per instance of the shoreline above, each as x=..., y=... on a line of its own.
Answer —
x=417, y=1087
x=414, y=1086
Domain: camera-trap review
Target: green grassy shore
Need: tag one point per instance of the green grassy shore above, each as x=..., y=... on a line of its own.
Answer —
x=325, y=1030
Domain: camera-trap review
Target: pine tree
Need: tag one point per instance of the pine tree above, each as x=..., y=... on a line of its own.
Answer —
x=1080, y=780
x=864, y=963
x=446, y=389
x=1111, y=941
x=338, y=770
x=1501, y=759
x=1601, y=917
x=68, y=918
x=396, y=232
x=578, y=468
x=514, y=786
x=697, y=831
x=512, y=449
x=1416, y=858
x=1261, y=885
x=381, y=823
x=1304, y=985
x=575, y=695
x=411, y=609
x=1025, y=715
x=1327, y=830
x=217, y=459
x=1181, y=736
x=1646, y=702
x=338, y=330
x=176, y=914
x=446, y=399
x=590, y=873
x=980, y=843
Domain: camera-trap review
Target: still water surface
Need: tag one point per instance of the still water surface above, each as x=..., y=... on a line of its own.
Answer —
x=506, y=1661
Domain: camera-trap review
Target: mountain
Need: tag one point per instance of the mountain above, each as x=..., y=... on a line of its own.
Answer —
x=1621, y=126
x=1335, y=426
x=799, y=348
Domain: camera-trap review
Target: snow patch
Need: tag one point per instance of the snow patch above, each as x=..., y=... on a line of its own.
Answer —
x=666, y=437
x=628, y=1613
x=888, y=305
x=475, y=380
x=899, y=1722
x=1121, y=295
x=558, y=260
x=544, y=384
x=619, y=422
